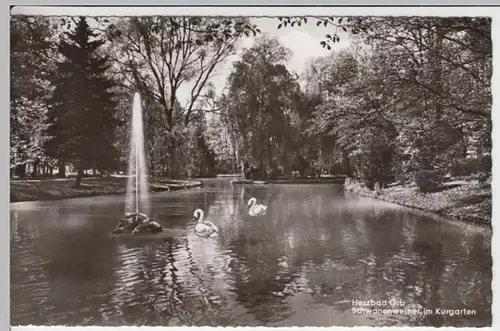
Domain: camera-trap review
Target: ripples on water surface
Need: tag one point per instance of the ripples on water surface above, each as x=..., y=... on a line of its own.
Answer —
x=300, y=265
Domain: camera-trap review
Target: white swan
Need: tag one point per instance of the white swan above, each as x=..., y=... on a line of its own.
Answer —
x=204, y=228
x=256, y=209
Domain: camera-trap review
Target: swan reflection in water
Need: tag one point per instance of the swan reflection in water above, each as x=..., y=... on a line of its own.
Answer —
x=292, y=267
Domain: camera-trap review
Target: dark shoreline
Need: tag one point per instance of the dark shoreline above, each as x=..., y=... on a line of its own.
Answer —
x=54, y=190
x=468, y=204
x=321, y=180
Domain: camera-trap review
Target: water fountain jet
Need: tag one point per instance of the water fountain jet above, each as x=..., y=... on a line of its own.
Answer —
x=137, y=201
x=137, y=198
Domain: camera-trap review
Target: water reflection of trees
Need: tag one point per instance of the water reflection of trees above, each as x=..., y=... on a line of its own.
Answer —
x=28, y=290
x=361, y=250
x=271, y=250
x=316, y=242
x=56, y=266
x=314, y=246
x=182, y=280
x=419, y=272
x=465, y=281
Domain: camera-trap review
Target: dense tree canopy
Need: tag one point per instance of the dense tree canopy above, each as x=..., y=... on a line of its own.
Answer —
x=83, y=112
x=30, y=71
x=409, y=93
x=260, y=101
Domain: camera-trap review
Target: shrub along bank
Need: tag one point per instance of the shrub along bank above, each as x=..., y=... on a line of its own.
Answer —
x=466, y=199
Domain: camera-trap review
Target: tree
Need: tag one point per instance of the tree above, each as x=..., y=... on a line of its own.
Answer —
x=30, y=69
x=330, y=81
x=159, y=55
x=222, y=140
x=83, y=115
x=446, y=64
x=431, y=49
x=350, y=24
x=260, y=100
x=409, y=103
x=201, y=158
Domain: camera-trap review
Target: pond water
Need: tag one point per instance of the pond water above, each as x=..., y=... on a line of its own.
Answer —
x=302, y=264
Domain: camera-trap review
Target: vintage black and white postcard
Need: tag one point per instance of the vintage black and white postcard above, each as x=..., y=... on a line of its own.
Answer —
x=251, y=167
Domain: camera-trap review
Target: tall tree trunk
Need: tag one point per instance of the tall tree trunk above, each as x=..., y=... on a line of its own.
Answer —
x=346, y=163
x=79, y=176
x=463, y=140
x=236, y=157
x=36, y=166
x=285, y=165
x=270, y=164
x=62, y=170
x=437, y=68
x=21, y=170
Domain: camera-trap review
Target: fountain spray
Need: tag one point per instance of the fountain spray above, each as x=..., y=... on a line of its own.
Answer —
x=137, y=181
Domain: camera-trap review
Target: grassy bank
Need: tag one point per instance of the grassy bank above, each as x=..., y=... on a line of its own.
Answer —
x=51, y=189
x=466, y=201
x=228, y=175
x=321, y=180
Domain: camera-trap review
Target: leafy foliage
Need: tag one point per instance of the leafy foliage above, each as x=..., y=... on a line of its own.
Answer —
x=30, y=132
x=353, y=25
x=83, y=111
x=403, y=97
x=159, y=55
x=410, y=93
x=222, y=141
x=30, y=70
x=428, y=180
x=260, y=104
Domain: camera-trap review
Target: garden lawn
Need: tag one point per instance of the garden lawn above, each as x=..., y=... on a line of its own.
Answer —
x=57, y=189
